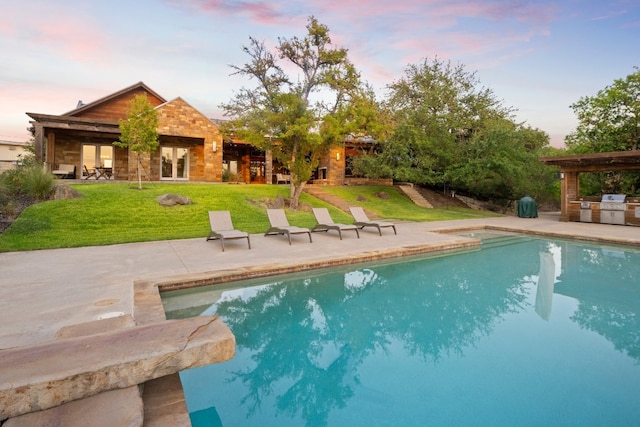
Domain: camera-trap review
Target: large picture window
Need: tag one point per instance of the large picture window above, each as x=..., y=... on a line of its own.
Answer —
x=175, y=163
x=96, y=156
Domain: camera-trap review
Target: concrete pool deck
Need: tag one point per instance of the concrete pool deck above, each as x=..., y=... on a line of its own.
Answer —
x=48, y=291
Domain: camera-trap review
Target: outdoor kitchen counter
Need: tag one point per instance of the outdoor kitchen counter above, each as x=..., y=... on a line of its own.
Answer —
x=588, y=210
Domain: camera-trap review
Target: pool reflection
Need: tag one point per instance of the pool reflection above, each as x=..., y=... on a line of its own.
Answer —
x=302, y=341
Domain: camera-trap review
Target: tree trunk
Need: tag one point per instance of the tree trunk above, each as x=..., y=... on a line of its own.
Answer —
x=139, y=173
x=296, y=191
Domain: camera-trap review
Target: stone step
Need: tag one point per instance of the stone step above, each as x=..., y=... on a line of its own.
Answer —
x=42, y=376
x=415, y=196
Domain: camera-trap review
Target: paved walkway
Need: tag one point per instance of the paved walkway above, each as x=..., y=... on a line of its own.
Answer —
x=44, y=291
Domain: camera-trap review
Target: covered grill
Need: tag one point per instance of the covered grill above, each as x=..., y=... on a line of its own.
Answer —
x=612, y=209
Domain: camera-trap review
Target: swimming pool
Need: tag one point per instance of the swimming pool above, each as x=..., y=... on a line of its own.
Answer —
x=524, y=331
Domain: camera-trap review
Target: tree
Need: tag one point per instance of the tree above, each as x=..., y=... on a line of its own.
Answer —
x=295, y=116
x=502, y=164
x=438, y=107
x=610, y=120
x=138, y=131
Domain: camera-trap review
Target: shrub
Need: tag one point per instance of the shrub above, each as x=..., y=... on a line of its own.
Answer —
x=23, y=186
x=38, y=183
x=12, y=182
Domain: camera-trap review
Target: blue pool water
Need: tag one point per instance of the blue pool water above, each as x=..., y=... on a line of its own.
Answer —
x=524, y=332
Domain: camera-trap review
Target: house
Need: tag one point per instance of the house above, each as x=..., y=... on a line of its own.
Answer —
x=190, y=143
x=191, y=146
x=10, y=153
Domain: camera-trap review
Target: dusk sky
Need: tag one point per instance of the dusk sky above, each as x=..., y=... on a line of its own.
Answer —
x=538, y=56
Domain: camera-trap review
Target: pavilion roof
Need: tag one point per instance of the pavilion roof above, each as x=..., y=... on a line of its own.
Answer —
x=594, y=162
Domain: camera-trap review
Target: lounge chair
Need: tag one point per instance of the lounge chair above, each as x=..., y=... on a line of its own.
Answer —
x=362, y=220
x=325, y=223
x=222, y=228
x=65, y=171
x=284, y=178
x=280, y=225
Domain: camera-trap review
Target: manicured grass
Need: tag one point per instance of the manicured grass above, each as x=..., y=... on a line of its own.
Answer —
x=120, y=213
x=398, y=206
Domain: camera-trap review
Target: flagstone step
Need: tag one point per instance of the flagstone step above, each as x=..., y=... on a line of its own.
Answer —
x=415, y=196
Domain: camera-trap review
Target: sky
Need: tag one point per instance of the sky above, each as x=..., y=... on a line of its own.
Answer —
x=537, y=56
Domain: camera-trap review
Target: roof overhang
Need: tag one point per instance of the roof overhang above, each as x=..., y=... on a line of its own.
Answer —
x=74, y=123
x=596, y=162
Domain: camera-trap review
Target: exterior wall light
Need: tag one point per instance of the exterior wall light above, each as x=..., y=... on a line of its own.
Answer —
x=215, y=147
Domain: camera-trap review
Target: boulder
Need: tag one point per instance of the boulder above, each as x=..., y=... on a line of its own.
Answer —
x=63, y=192
x=173, y=199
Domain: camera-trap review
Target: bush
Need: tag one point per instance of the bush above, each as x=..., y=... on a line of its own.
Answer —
x=12, y=182
x=38, y=183
x=22, y=187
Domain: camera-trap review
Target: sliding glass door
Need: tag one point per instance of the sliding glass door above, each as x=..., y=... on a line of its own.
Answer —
x=174, y=163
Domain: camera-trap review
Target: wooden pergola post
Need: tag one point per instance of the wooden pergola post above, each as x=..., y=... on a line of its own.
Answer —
x=569, y=191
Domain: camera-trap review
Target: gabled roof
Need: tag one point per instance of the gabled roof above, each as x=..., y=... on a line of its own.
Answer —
x=139, y=85
x=180, y=99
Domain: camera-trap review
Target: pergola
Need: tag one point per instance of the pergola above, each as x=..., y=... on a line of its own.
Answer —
x=572, y=166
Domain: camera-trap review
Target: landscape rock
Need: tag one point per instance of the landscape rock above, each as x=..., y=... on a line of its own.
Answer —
x=279, y=202
x=173, y=199
x=64, y=192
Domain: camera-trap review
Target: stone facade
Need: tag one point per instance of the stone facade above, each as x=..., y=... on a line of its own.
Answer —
x=179, y=119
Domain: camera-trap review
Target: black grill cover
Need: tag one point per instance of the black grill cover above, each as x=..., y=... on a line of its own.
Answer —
x=527, y=208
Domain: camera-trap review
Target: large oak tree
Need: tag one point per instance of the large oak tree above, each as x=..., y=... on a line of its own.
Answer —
x=609, y=120
x=452, y=132
x=299, y=106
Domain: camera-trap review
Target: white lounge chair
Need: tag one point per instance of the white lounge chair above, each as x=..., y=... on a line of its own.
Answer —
x=280, y=225
x=362, y=220
x=65, y=171
x=222, y=228
x=325, y=223
x=284, y=178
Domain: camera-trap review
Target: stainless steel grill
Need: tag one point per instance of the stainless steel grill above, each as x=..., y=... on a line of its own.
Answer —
x=585, y=211
x=612, y=208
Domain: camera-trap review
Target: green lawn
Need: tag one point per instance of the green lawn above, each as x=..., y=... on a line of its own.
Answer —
x=120, y=213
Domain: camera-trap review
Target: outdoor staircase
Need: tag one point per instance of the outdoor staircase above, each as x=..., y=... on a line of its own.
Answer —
x=415, y=196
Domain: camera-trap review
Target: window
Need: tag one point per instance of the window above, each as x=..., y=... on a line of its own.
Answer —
x=174, y=163
x=94, y=156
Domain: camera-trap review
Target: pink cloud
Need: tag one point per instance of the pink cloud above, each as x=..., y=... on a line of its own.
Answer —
x=268, y=13
x=67, y=33
x=71, y=38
